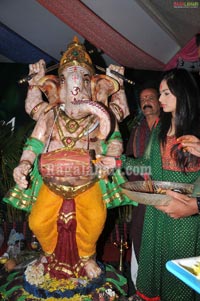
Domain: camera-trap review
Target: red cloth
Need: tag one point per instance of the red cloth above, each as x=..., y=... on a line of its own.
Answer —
x=188, y=53
x=65, y=261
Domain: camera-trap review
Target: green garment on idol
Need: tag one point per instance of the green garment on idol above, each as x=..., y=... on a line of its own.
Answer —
x=24, y=198
x=165, y=238
x=111, y=187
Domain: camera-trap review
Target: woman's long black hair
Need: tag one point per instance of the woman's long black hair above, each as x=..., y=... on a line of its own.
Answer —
x=184, y=87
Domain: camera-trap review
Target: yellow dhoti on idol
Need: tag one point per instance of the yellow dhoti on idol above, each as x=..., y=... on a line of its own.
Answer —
x=67, y=219
x=90, y=215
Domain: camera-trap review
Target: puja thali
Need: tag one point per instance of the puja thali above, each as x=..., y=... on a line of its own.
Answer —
x=154, y=192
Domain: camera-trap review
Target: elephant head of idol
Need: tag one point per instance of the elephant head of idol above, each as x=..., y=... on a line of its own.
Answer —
x=75, y=73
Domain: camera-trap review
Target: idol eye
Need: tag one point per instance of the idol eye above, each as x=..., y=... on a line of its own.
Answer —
x=86, y=80
x=62, y=79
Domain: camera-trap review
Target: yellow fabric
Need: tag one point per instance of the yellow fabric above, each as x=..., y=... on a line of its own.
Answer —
x=43, y=218
x=90, y=216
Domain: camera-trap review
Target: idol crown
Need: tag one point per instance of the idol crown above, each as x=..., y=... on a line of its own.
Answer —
x=76, y=55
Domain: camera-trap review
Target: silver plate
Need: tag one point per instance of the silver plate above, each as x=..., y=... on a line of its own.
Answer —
x=138, y=191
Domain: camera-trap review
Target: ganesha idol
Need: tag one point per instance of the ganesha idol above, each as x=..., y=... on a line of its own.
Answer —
x=57, y=179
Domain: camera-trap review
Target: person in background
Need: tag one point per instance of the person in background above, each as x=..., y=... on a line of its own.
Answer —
x=170, y=231
x=146, y=120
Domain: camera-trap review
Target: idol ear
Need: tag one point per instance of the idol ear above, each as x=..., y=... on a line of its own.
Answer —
x=49, y=85
x=102, y=81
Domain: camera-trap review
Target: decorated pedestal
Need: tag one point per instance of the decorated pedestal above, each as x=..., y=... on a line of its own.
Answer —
x=111, y=285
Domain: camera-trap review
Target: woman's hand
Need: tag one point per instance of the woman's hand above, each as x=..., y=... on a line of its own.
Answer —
x=106, y=162
x=190, y=144
x=104, y=166
x=180, y=206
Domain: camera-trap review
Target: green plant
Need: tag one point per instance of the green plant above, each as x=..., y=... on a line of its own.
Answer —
x=11, y=144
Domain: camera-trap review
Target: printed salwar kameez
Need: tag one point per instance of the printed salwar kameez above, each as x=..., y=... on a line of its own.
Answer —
x=165, y=238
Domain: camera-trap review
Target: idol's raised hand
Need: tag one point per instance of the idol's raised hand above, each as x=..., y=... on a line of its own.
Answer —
x=38, y=69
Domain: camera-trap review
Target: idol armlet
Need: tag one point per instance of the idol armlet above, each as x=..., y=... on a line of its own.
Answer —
x=26, y=162
x=36, y=109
